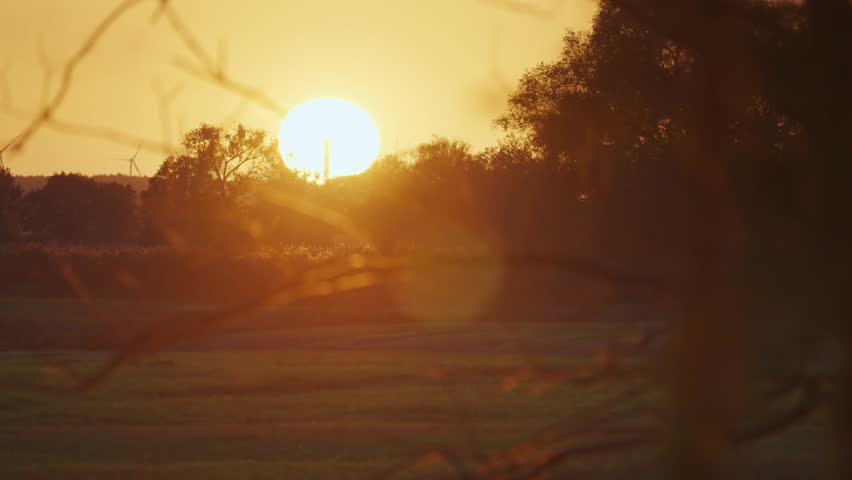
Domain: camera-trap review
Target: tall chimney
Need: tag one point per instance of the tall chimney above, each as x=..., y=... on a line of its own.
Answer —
x=325, y=161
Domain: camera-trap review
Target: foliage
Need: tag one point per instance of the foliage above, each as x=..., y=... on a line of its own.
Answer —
x=193, y=195
x=36, y=182
x=152, y=274
x=440, y=192
x=228, y=156
x=634, y=141
x=694, y=132
x=674, y=133
x=10, y=196
x=75, y=209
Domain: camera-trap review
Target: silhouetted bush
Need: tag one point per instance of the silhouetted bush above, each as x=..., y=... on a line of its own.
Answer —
x=10, y=198
x=74, y=209
x=150, y=274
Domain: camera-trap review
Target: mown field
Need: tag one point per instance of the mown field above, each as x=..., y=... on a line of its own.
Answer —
x=336, y=394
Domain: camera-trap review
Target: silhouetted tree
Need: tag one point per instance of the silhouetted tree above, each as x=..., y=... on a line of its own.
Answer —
x=229, y=156
x=10, y=197
x=196, y=196
x=724, y=126
x=75, y=209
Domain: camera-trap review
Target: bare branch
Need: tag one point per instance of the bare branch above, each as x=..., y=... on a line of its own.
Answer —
x=434, y=457
x=242, y=158
x=162, y=5
x=222, y=55
x=246, y=91
x=809, y=398
x=70, y=69
x=89, y=131
x=341, y=275
x=189, y=40
x=350, y=273
x=165, y=98
x=208, y=69
x=6, y=147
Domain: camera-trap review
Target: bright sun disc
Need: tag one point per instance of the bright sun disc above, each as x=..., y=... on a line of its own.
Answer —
x=353, y=139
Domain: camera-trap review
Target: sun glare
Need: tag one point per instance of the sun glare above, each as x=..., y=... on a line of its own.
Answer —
x=332, y=129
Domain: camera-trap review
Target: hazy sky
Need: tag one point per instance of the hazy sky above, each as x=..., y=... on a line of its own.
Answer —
x=418, y=67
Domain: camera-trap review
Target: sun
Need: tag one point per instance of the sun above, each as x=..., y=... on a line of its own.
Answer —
x=330, y=127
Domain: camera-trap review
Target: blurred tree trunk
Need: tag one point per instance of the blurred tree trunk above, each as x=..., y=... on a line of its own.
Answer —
x=709, y=359
x=831, y=154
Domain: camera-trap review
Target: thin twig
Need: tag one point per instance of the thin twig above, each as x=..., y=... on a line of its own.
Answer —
x=209, y=70
x=70, y=69
x=91, y=131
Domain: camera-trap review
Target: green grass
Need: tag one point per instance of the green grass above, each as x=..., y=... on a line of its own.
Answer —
x=200, y=413
x=334, y=400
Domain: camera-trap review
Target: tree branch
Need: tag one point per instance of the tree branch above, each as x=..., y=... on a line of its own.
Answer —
x=70, y=69
x=90, y=131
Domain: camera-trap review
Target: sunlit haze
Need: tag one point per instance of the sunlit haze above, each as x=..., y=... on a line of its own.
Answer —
x=419, y=68
x=490, y=239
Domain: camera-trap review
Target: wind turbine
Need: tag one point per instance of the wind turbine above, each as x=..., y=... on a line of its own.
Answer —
x=132, y=162
x=3, y=165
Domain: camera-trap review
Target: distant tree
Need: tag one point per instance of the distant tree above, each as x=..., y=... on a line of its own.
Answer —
x=231, y=155
x=75, y=209
x=444, y=175
x=35, y=182
x=511, y=154
x=390, y=166
x=443, y=160
x=440, y=192
x=196, y=196
x=10, y=197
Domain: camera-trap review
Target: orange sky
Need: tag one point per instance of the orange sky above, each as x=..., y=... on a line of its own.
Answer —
x=418, y=67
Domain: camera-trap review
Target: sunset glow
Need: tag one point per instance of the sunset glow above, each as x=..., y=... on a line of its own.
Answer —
x=352, y=137
x=490, y=239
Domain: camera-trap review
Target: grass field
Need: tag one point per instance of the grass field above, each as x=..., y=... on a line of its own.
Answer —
x=328, y=398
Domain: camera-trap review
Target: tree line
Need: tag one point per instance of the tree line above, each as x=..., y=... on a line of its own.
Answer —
x=712, y=136
x=229, y=189
x=596, y=157
x=594, y=160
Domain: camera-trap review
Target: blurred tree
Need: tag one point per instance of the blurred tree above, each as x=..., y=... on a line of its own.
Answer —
x=10, y=197
x=442, y=160
x=75, y=209
x=380, y=200
x=724, y=127
x=433, y=197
